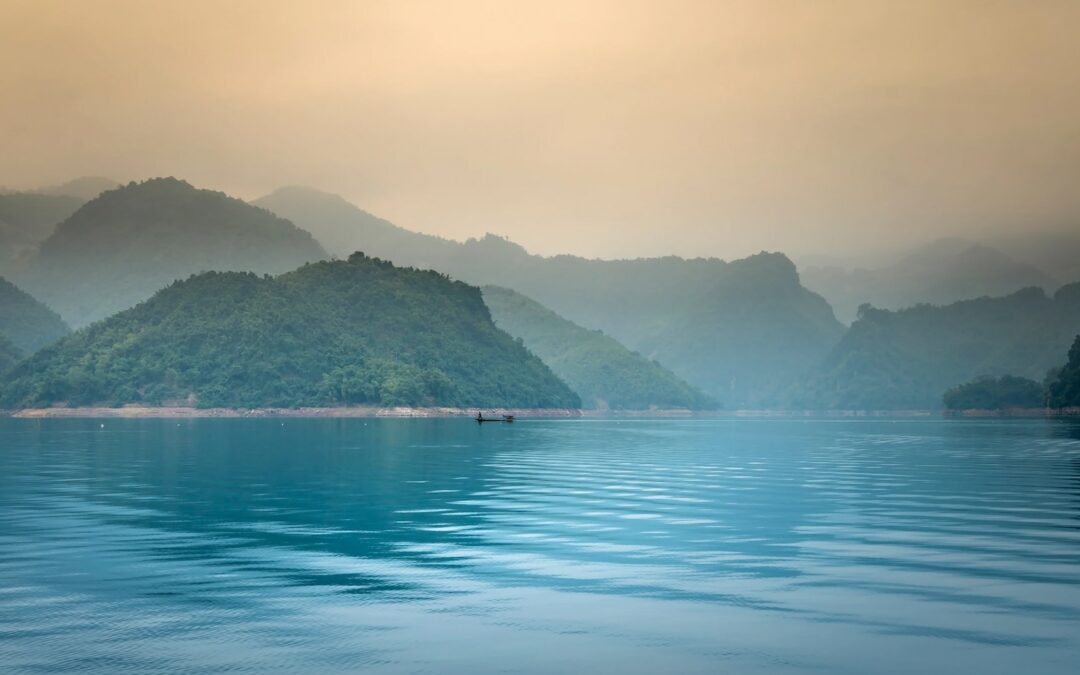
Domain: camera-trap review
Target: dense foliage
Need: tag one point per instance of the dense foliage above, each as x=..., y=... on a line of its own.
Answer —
x=27, y=219
x=601, y=370
x=121, y=247
x=329, y=333
x=905, y=359
x=740, y=330
x=1063, y=390
x=29, y=324
x=995, y=393
x=9, y=354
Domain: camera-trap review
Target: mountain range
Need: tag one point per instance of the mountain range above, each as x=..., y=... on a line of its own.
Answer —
x=907, y=359
x=738, y=330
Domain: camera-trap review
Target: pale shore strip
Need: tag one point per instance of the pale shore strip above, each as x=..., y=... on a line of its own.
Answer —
x=151, y=412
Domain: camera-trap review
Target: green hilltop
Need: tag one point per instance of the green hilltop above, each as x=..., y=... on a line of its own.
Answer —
x=127, y=243
x=596, y=366
x=360, y=331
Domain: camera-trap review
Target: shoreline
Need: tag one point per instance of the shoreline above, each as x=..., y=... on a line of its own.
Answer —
x=178, y=412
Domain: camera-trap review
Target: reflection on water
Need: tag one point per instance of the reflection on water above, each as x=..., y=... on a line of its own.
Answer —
x=543, y=546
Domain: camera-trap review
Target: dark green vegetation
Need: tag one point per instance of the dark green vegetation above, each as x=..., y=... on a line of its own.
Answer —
x=939, y=273
x=27, y=323
x=121, y=247
x=329, y=333
x=741, y=331
x=996, y=393
x=1063, y=388
x=9, y=354
x=603, y=372
x=906, y=359
x=27, y=219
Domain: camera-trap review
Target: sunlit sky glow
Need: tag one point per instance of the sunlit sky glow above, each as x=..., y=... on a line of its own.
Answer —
x=600, y=128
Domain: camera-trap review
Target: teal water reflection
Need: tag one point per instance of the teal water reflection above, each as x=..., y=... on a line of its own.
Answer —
x=543, y=546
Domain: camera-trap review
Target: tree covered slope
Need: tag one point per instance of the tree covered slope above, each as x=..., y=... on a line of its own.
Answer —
x=906, y=359
x=27, y=323
x=121, y=247
x=1063, y=390
x=9, y=354
x=331, y=333
x=739, y=330
x=596, y=366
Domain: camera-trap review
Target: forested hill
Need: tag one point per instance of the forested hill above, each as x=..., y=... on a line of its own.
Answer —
x=9, y=354
x=27, y=323
x=121, y=247
x=1063, y=390
x=740, y=331
x=603, y=372
x=331, y=333
x=907, y=359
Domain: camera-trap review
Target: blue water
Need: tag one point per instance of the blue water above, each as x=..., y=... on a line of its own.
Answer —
x=643, y=546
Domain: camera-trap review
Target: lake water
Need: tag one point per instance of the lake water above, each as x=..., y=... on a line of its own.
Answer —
x=615, y=546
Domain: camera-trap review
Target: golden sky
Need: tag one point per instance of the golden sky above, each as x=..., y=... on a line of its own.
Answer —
x=602, y=128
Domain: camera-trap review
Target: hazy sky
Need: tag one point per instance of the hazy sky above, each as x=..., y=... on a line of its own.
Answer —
x=601, y=128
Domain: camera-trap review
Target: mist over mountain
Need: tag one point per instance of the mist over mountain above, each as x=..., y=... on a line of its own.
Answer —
x=360, y=331
x=738, y=330
x=603, y=372
x=907, y=359
x=121, y=247
x=84, y=187
x=941, y=272
x=27, y=323
x=27, y=219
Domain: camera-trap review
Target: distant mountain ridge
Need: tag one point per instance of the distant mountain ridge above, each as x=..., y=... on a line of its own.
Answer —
x=603, y=372
x=27, y=219
x=740, y=330
x=941, y=272
x=907, y=359
x=119, y=248
x=360, y=331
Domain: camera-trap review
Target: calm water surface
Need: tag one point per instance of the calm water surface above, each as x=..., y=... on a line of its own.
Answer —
x=440, y=546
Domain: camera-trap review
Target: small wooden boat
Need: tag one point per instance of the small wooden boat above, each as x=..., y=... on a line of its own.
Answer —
x=502, y=418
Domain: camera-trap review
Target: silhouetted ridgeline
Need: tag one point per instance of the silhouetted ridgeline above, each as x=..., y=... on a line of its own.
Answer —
x=942, y=272
x=329, y=333
x=906, y=359
x=741, y=331
x=121, y=247
x=603, y=372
